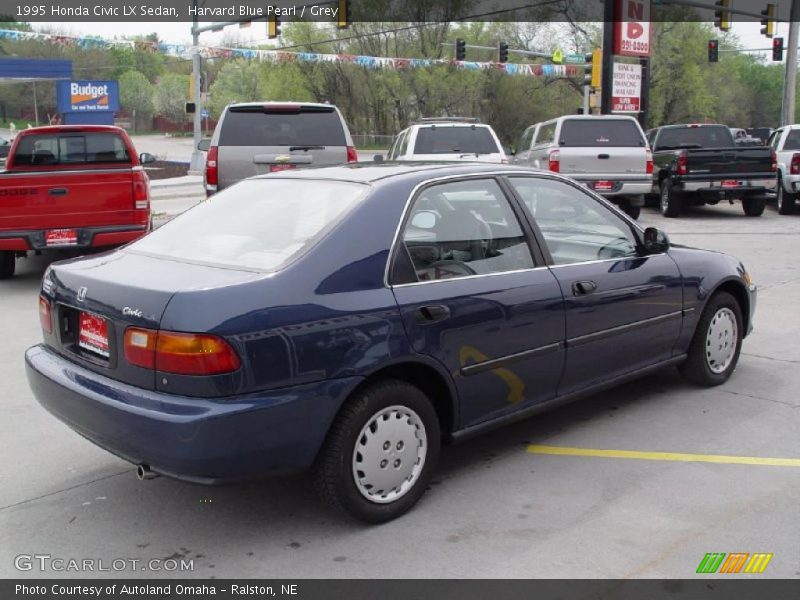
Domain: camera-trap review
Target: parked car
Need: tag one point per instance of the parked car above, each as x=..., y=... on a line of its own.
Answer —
x=786, y=144
x=607, y=154
x=71, y=187
x=5, y=145
x=448, y=139
x=742, y=138
x=263, y=137
x=762, y=133
x=700, y=164
x=264, y=332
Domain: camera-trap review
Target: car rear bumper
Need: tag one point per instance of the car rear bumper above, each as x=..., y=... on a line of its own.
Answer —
x=87, y=237
x=199, y=440
x=748, y=186
x=621, y=186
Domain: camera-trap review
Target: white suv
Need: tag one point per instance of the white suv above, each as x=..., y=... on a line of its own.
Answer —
x=447, y=139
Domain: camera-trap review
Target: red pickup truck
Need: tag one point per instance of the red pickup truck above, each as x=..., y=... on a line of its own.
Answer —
x=71, y=187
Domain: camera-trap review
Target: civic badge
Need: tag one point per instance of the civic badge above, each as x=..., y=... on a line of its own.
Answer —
x=82, y=293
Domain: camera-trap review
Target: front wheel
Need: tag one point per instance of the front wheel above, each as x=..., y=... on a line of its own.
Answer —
x=8, y=263
x=754, y=207
x=716, y=344
x=380, y=452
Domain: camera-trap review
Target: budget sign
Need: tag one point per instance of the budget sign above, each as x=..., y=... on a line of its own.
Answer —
x=632, y=28
x=88, y=96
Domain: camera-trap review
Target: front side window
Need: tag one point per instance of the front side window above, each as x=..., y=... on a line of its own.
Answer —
x=464, y=228
x=575, y=226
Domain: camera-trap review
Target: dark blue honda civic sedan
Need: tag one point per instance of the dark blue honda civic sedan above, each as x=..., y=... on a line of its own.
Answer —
x=349, y=319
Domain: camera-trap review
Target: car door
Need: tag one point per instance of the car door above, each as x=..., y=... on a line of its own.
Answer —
x=624, y=309
x=475, y=296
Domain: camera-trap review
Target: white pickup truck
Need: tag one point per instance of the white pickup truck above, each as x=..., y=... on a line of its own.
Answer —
x=786, y=143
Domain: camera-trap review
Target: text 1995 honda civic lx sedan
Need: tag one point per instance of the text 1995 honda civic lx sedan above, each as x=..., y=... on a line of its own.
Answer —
x=348, y=319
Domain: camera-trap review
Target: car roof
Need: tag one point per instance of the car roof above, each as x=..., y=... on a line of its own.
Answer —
x=70, y=129
x=370, y=172
x=277, y=103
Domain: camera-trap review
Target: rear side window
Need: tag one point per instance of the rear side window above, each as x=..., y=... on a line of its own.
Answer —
x=71, y=149
x=619, y=133
x=792, y=140
x=255, y=225
x=673, y=138
x=450, y=140
x=291, y=127
x=547, y=133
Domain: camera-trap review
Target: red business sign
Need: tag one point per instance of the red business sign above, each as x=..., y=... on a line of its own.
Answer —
x=632, y=28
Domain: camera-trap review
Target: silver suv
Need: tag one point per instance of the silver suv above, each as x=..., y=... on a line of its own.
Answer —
x=608, y=154
x=262, y=137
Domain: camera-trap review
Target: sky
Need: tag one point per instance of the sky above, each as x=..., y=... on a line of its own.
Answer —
x=748, y=32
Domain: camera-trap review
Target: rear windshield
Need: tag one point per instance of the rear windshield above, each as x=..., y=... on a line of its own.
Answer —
x=602, y=132
x=255, y=225
x=792, y=140
x=449, y=140
x=71, y=149
x=695, y=137
x=301, y=127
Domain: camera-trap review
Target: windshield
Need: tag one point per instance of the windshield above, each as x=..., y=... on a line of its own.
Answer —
x=619, y=133
x=258, y=224
x=455, y=140
x=695, y=137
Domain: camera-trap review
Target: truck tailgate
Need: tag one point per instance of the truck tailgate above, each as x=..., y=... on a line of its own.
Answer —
x=729, y=161
x=608, y=162
x=54, y=199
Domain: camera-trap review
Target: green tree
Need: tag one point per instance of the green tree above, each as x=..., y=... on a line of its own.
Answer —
x=169, y=98
x=136, y=94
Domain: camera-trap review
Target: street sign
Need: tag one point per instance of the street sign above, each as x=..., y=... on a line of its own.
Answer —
x=574, y=59
x=204, y=114
x=632, y=25
x=558, y=56
x=626, y=88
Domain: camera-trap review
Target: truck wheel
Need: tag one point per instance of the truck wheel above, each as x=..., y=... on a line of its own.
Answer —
x=629, y=209
x=714, y=350
x=380, y=452
x=8, y=264
x=786, y=200
x=671, y=201
x=754, y=207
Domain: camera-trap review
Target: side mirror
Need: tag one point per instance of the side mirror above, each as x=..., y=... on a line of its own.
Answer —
x=424, y=219
x=146, y=158
x=377, y=157
x=655, y=241
x=204, y=145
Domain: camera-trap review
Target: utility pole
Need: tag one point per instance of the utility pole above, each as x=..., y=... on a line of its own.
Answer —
x=790, y=83
x=608, y=57
x=198, y=162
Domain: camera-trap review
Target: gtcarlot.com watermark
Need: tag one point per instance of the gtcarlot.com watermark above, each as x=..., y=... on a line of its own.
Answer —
x=47, y=562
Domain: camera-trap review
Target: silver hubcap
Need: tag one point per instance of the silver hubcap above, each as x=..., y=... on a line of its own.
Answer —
x=721, y=339
x=389, y=454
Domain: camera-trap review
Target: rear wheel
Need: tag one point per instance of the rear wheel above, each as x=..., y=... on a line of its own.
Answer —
x=671, y=201
x=8, y=263
x=786, y=200
x=630, y=210
x=716, y=344
x=377, y=460
x=754, y=207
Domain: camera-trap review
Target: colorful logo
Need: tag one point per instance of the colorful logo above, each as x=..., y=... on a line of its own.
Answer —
x=735, y=562
x=88, y=96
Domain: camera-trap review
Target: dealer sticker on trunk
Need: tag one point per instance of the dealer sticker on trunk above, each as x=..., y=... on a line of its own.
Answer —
x=93, y=334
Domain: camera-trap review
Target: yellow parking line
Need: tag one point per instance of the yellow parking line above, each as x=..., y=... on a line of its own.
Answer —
x=672, y=456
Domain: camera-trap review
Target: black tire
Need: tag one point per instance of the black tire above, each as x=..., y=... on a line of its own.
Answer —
x=697, y=368
x=8, y=264
x=333, y=472
x=754, y=206
x=786, y=200
x=671, y=200
x=651, y=200
x=630, y=210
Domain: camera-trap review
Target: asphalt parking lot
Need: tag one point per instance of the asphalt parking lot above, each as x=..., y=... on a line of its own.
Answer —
x=497, y=507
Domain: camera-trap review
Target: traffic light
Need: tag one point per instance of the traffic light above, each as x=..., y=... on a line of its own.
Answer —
x=713, y=51
x=273, y=26
x=343, y=15
x=502, y=52
x=722, y=16
x=777, y=49
x=461, y=49
x=768, y=22
x=593, y=69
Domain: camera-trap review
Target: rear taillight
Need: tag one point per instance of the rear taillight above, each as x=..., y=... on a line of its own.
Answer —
x=45, y=315
x=683, y=164
x=212, y=173
x=775, y=160
x=794, y=169
x=179, y=353
x=352, y=155
x=141, y=190
x=554, y=161
x=649, y=163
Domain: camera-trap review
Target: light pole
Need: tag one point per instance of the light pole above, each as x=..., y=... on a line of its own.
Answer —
x=197, y=162
x=790, y=83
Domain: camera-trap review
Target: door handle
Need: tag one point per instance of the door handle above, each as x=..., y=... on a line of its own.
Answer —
x=583, y=288
x=58, y=191
x=431, y=313
x=603, y=156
